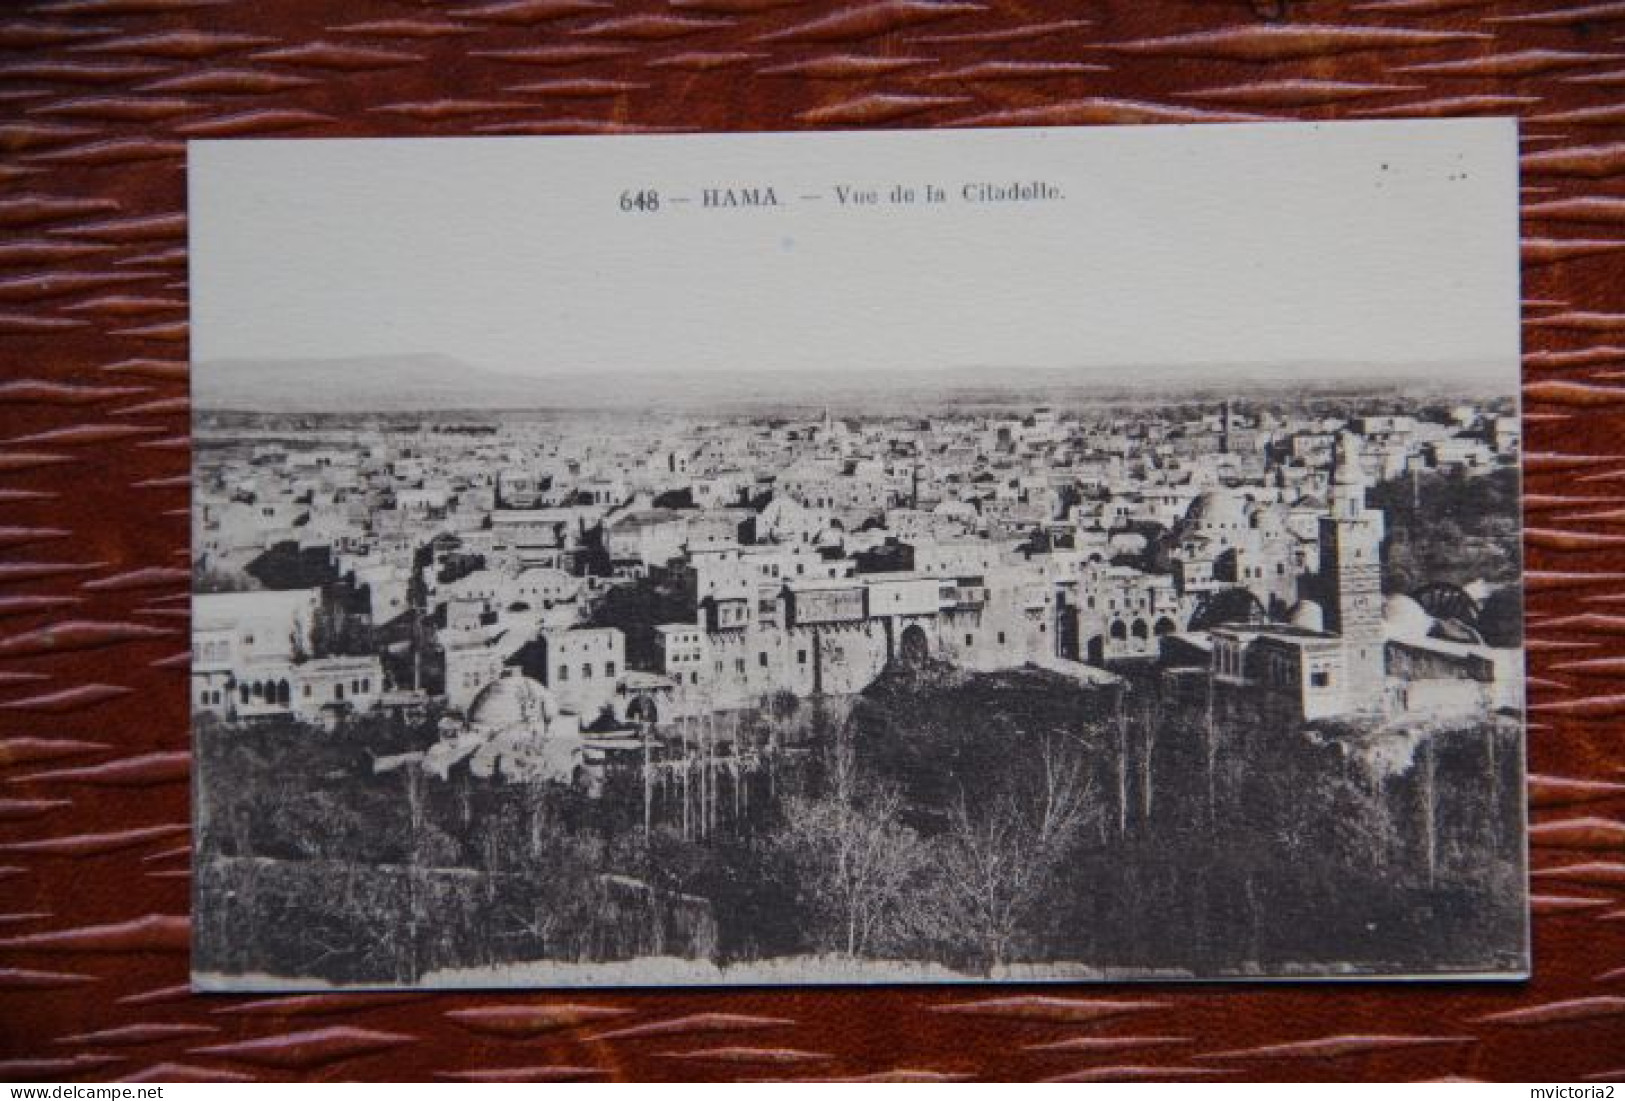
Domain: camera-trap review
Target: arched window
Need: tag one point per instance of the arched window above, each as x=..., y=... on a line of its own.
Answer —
x=916, y=648
x=1141, y=631
x=1118, y=631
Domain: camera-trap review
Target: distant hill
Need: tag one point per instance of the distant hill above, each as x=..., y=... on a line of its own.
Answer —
x=438, y=383
x=367, y=383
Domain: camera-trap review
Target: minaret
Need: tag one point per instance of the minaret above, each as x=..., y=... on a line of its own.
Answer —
x=1351, y=572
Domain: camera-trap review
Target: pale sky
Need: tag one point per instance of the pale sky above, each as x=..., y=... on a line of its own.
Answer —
x=1220, y=248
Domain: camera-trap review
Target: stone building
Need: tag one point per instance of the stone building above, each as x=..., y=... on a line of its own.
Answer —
x=252, y=658
x=581, y=666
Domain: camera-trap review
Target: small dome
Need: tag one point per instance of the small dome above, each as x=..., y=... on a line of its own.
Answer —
x=513, y=700
x=1266, y=517
x=1219, y=507
x=1309, y=615
x=1127, y=542
x=1405, y=618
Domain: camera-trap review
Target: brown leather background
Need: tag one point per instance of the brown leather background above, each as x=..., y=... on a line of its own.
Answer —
x=96, y=99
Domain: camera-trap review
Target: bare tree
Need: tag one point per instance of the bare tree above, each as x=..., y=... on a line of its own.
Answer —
x=1064, y=799
x=851, y=852
x=855, y=860
x=996, y=863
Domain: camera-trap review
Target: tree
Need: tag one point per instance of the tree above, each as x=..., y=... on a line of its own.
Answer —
x=1449, y=526
x=851, y=853
x=297, y=648
x=854, y=861
x=988, y=877
x=996, y=863
x=1057, y=784
x=337, y=631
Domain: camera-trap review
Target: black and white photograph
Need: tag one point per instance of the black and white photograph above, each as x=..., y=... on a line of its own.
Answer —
x=914, y=557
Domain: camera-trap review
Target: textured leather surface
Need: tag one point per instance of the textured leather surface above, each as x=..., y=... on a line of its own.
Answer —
x=96, y=99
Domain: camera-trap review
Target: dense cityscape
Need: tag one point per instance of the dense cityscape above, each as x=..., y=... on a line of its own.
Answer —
x=734, y=637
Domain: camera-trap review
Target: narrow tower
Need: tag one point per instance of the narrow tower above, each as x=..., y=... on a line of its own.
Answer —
x=1351, y=571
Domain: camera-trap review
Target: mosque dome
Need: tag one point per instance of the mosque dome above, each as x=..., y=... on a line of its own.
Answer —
x=513, y=700
x=1219, y=508
x=1127, y=542
x=1405, y=618
x=1309, y=615
x=1266, y=517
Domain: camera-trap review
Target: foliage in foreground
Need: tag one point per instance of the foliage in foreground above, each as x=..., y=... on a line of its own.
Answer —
x=977, y=821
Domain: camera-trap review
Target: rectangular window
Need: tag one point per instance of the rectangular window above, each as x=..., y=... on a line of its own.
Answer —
x=1320, y=678
x=564, y=673
x=801, y=657
x=970, y=640
x=739, y=665
x=1001, y=638
x=609, y=668
x=586, y=671
x=761, y=659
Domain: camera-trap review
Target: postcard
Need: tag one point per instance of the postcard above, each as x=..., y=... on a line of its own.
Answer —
x=904, y=557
